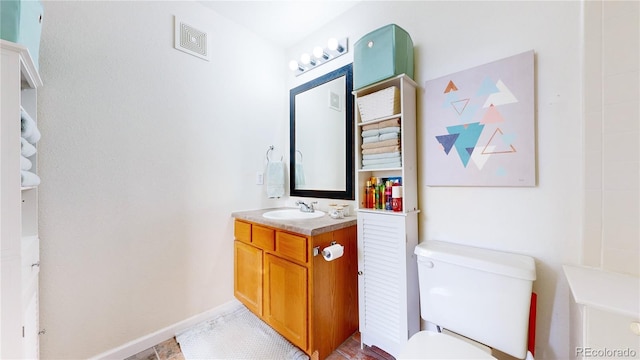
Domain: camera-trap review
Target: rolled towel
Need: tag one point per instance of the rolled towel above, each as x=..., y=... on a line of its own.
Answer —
x=275, y=179
x=28, y=127
x=26, y=149
x=27, y=178
x=25, y=164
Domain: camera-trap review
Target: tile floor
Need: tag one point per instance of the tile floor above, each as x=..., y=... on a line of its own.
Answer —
x=350, y=349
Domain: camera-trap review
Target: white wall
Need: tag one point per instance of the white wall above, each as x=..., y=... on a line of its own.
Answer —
x=146, y=151
x=542, y=221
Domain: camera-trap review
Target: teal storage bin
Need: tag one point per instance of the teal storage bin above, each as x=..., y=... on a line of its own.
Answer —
x=21, y=23
x=382, y=54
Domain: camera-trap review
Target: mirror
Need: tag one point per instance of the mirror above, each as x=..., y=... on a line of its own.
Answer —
x=321, y=137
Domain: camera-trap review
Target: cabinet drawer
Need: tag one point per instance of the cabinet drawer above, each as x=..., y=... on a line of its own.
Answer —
x=263, y=237
x=292, y=246
x=242, y=231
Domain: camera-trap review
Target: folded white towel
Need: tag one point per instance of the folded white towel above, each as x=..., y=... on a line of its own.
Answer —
x=26, y=149
x=25, y=164
x=27, y=178
x=28, y=127
x=275, y=179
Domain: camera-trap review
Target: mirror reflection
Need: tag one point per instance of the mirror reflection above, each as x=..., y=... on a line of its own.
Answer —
x=321, y=137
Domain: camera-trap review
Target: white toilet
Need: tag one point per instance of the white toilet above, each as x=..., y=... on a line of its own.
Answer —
x=483, y=295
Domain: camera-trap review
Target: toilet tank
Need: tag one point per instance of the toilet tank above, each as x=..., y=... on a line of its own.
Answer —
x=478, y=293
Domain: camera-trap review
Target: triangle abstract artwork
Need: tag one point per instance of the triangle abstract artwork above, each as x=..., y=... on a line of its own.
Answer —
x=480, y=125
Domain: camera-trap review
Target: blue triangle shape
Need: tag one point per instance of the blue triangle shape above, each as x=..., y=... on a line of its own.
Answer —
x=447, y=141
x=487, y=87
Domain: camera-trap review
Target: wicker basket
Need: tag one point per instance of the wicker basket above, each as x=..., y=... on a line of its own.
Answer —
x=379, y=104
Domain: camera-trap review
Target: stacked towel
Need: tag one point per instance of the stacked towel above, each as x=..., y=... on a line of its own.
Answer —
x=381, y=145
x=275, y=179
x=30, y=135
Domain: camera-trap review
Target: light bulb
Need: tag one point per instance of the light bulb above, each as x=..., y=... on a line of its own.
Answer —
x=305, y=59
x=318, y=52
x=293, y=65
x=332, y=44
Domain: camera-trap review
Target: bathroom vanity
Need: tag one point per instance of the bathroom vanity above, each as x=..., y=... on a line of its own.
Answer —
x=282, y=277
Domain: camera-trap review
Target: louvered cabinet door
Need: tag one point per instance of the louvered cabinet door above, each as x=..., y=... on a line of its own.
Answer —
x=387, y=282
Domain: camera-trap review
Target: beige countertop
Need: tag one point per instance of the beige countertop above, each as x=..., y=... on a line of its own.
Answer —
x=301, y=226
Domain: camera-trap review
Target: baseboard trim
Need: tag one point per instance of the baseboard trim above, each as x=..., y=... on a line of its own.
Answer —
x=145, y=342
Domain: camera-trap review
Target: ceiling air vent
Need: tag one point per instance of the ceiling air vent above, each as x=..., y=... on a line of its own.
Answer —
x=190, y=40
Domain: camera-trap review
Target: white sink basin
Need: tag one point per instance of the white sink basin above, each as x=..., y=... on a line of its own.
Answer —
x=292, y=214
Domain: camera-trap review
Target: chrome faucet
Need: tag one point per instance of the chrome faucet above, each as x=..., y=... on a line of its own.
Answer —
x=304, y=207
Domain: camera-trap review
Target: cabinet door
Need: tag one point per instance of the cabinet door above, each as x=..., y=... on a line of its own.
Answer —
x=286, y=299
x=247, y=279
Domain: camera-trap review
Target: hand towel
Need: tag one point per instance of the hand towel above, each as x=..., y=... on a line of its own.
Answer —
x=25, y=164
x=372, y=132
x=275, y=179
x=394, y=164
x=300, y=181
x=27, y=178
x=28, y=127
x=389, y=129
x=381, y=161
x=389, y=136
x=391, y=142
x=390, y=122
x=381, y=156
x=381, y=150
x=26, y=149
x=370, y=139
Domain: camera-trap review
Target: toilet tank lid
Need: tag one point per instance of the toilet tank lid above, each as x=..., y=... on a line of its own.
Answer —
x=493, y=261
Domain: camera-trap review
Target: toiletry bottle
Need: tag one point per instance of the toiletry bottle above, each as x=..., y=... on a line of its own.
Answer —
x=367, y=195
x=378, y=204
x=396, y=200
x=387, y=195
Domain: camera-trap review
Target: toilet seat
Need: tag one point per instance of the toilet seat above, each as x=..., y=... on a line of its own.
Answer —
x=434, y=345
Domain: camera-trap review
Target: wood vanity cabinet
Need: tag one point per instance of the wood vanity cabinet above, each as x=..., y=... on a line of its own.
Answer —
x=310, y=301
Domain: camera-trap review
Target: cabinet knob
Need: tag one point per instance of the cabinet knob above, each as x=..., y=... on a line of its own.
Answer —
x=635, y=327
x=42, y=332
x=36, y=264
x=360, y=273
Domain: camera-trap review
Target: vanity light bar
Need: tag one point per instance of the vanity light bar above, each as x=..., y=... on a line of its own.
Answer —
x=335, y=48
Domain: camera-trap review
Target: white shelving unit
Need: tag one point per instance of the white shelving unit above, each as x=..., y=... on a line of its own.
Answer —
x=388, y=275
x=19, y=242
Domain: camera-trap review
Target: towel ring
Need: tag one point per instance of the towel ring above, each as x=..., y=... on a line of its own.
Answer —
x=268, y=151
x=300, y=152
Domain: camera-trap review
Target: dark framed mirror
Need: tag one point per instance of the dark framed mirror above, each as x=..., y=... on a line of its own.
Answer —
x=321, y=137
